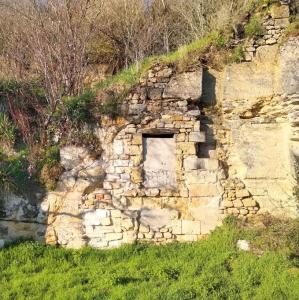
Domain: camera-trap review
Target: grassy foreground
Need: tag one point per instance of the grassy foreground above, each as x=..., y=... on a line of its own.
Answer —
x=211, y=269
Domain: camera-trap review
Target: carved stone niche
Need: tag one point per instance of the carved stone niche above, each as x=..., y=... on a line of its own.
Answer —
x=159, y=159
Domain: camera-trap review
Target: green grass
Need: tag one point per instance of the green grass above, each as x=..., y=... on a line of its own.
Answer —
x=210, y=269
x=184, y=55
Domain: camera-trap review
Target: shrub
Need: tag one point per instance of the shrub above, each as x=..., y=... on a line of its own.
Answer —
x=13, y=175
x=49, y=175
x=51, y=168
x=7, y=131
x=254, y=27
x=78, y=108
x=111, y=108
x=237, y=55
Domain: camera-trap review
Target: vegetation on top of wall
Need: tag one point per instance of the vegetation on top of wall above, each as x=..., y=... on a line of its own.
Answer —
x=254, y=27
x=213, y=268
x=51, y=168
x=293, y=28
x=13, y=174
x=7, y=131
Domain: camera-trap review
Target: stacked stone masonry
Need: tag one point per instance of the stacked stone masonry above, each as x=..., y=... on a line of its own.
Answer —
x=274, y=24
x=226, y=143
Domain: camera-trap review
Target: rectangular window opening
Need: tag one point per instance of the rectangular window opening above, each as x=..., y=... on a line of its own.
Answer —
x=159, y=160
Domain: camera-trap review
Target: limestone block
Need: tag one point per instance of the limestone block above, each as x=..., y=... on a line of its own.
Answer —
x=113, y=237
x=290, y=66
x=107, y=185
x=106, y=221
x=280, y=11
x=97, y=243
x=115, y=244
x=200, y=176
x=203, y=190
x=233, y=211
x=238, y=203
x=144, y=229
x=208, y=164
x=282, y=23
x=190, y=227
x=118, y=147
x=91, y=218
x=251, y=80
x=271, y=41
x=2, y=243
x=72, y=156
x=158, y=218
x=181, y=137
x=187, y=238
x=243, y=211
x=82, y=184
x=249, y=202
x=149, y=235
x=152, y=192
x=99, y=231
x=242, y=193
x=137, y=140
x=167, y=235
x=133, y=150
x=121, y=163
x=127, y=224
x=102, y=213
x=192, y=162
x=176, y=227
x=140, y=235
x=158, y=235
x=197, y=137
x=136, y=175
x=129, y=237
x=115, y=213
x=227, y=204
x=187, y=148
x=193, y=113
x=185, y=86
x=267, y=156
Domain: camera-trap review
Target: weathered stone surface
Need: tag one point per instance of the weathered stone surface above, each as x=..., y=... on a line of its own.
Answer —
x=157, y=218
x=191, y=227
x=203, y=190
x=251, y=80
x=105, y=202
x=280, y=12
x=185, y=86
x=72, y=156
x=197, y=137
x=290, y=66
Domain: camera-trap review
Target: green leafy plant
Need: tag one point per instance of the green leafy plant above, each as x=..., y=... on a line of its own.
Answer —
x=111, y=107
x=7, y=131
x=78, y=108
x=51, y=168
x=237, y=55
x=254, y=27
x=13, y=174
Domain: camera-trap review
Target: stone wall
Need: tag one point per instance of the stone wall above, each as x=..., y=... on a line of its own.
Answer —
x=232, y=149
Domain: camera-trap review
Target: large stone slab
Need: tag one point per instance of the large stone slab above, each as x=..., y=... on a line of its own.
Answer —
x=252, y=80
x=157, y=218
x=290, y=66
x=185, y=86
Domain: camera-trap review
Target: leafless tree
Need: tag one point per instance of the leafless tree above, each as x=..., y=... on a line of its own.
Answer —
x=50, y=37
